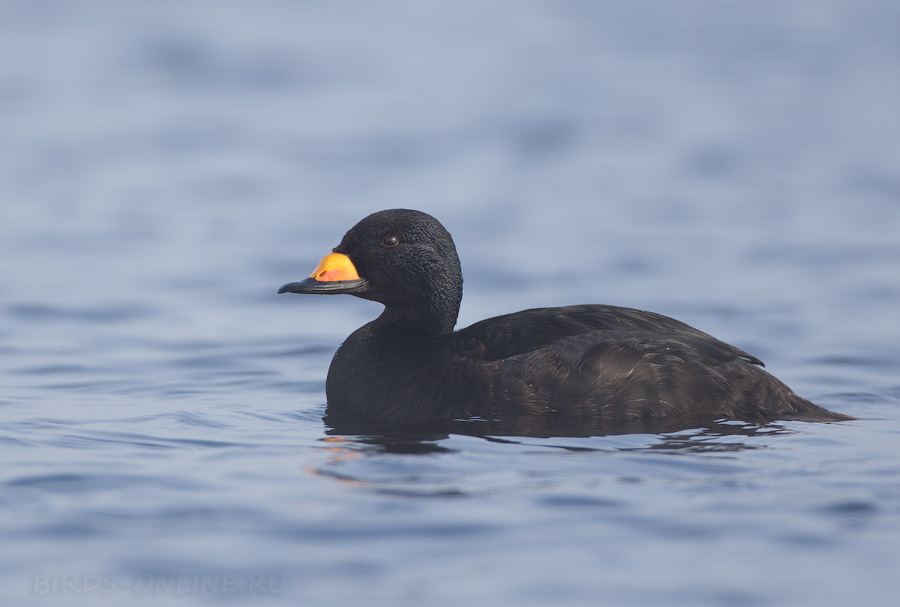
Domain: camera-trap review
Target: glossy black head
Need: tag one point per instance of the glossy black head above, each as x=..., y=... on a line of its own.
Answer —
x=407, y=261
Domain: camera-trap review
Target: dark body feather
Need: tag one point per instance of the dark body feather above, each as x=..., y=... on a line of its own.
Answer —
x=590, y=366
x=602, y=365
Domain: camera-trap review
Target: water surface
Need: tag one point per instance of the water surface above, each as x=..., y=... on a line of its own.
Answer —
x=166, y=166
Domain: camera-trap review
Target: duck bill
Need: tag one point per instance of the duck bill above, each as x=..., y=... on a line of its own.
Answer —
x=334, y=275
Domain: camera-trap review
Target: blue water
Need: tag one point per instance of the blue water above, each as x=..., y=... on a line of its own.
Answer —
x=166, y=166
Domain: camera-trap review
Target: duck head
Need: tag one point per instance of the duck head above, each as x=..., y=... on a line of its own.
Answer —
x=401, y=258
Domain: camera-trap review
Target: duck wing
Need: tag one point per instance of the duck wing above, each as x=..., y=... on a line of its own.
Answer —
x=522, y=332
x=622, y=366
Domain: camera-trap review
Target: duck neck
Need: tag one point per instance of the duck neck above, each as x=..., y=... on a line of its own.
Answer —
x=434, y=315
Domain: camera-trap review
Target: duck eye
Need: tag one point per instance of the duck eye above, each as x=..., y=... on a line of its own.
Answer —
x=390, y=241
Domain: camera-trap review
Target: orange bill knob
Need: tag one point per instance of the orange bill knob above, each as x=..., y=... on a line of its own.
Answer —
x=335, y=266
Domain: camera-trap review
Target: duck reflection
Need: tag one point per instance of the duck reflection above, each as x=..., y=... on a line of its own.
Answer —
x=688, y=435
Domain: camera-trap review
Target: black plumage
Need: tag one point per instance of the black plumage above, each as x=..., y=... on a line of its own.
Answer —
x=590, y=366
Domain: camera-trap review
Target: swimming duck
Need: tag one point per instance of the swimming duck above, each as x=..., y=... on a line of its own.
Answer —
x=598, y=365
